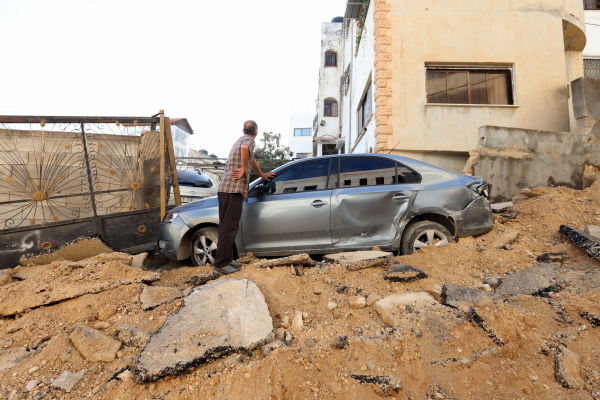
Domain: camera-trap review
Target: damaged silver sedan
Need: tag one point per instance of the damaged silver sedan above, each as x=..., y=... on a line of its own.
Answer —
x=336, y=204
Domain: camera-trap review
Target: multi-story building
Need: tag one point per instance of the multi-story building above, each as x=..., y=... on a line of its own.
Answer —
x=591, y=53
x=419, y=78
x=300, y=135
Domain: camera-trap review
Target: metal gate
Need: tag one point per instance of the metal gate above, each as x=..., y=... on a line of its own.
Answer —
x=66, y=177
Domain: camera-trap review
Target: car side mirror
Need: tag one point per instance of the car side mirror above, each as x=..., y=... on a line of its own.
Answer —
x=258, y=190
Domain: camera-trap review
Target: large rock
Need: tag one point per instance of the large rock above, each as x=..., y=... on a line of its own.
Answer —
x=154, y=296
x=455, y=295
x=531, y=281
x=360, y=259
x=398, y=272
x=568, y=368
x=94, y=345
x=67, y=380
x=585, y=241
x=216, y=320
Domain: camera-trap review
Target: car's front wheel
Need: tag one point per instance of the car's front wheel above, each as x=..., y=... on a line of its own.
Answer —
x=425, y=234
x=204, y=246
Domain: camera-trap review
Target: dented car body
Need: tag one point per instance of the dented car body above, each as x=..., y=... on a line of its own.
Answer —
x=342, y=203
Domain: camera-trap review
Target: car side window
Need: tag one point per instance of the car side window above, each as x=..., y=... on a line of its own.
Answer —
x=366, y=171
x=333, y=174
x=308, y=176
x=407, y=175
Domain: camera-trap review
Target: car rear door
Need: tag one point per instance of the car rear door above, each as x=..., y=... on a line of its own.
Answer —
x=292, y=213
x=373, y=196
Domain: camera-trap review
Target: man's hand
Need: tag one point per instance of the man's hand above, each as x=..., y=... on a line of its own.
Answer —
x=239, y=173
x=268, y=176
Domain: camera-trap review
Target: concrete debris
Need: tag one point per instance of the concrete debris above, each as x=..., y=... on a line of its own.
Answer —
x=297, y=323
x=216, y=320
x=39, y=290
x=200, y=280
x=339, y=342
x=532, y=192
x=268, y=348
x=506, y=239
x=593, y=230
x=138, y=261
x=77, y=250
x=154, y=296
x=585, y=241
x=94, y=345
x=568, y=368
x=356, y=260
x=100, y=325
x=553, y=258
x=494, y=281
x=456, y=295
x=13, y=358
x=480, y=322
x=30, y=385
x=531, y=281
x=5, y=277
x=132, y=336
x=303, y=259
x=357, y=302
x=288, y=337
x=107, y=312
x=391, y=307
x=21, y=273
x=372, y=299
x=68, y=380
x=403, y=273
x=500, y=208
x=382, y=385
x=594, y=319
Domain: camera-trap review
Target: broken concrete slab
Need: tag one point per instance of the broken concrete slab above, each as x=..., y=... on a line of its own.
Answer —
x=132, y=336
x=13, y=358
x=76, y=250
x=199, y=280
x=138, y=261
x=94, y=345
x=303, y=259
x=154, y=296
x=403, y=273
x=505, y=239
x=493, y=281
x=456, y=295
x=593, y=230
x=356, y=260
x=500, y=208
x=381, y=384
x=68, y=380
x=553, y=258
x=585, y=241
x=21, y=273
x=5, y=277
x=64, y=283
x=216, y=320
x=568, y=368
x=531, y=281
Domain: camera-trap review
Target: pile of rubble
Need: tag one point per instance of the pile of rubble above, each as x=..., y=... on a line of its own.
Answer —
x=511, y=314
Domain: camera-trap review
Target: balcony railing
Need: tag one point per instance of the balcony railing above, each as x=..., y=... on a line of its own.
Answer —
x=591, y=4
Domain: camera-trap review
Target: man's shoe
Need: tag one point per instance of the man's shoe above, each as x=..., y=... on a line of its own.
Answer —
x=236, y=264
x=226, y=270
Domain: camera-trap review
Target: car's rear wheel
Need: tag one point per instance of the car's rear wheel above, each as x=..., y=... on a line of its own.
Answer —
x=204, y=246
x=425, y=234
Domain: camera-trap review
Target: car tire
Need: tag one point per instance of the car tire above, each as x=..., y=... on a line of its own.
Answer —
x=424, y=234
x=204, y=247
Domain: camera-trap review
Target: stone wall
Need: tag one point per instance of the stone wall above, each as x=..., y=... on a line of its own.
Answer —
x=383, y=76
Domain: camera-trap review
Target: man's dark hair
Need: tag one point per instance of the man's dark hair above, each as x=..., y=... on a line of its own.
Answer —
x=250, y=127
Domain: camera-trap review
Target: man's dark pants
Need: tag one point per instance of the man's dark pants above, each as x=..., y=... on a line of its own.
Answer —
x=230, y=212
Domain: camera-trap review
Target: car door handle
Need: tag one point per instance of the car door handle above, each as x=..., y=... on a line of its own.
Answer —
x=318, y=203
x=400, y=197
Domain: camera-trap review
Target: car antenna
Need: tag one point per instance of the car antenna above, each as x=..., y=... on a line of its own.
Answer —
x=395, y=146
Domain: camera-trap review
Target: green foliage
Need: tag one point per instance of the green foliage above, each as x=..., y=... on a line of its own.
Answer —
x=272, y=149
x=360, y=23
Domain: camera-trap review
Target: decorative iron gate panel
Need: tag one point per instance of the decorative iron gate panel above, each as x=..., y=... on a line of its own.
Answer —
x=66, y=177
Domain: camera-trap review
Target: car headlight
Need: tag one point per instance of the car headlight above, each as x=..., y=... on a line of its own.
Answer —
x=170, y=217
x=480, y=188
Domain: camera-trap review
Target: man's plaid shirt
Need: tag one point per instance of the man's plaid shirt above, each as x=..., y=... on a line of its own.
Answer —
x=228, y=183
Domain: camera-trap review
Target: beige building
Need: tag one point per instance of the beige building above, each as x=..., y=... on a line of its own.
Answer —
x=430, y=73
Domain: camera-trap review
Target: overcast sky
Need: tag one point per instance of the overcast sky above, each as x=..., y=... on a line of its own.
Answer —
x=217, y=63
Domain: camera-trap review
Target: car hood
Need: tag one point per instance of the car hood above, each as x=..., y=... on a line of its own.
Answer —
x=204, y=203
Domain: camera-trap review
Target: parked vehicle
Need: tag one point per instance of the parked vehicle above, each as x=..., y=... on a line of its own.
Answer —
x=338, y=203
x=194, y=185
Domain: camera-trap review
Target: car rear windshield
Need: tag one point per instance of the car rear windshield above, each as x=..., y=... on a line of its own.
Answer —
x=193, y=179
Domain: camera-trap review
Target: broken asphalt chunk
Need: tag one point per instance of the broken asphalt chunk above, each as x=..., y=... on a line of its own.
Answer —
x=356, y=260
x=593, y=318
x=217, y=319
x=480, y=322
x=553, y=257
x=403, y=273
x=381, y=384
x=568, y=368
x=455, y=295
x=532, y=281
x=585, y=241
x=303, y=259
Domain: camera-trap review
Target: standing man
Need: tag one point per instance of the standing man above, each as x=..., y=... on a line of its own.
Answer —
x=233, y=191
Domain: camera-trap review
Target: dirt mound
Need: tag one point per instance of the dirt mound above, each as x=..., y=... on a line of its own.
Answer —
x=503, y=347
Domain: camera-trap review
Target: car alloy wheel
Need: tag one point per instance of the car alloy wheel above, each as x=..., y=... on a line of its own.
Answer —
x=430, y=237
x=205, y=250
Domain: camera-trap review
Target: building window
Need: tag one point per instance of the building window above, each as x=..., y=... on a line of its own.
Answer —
x=329, y=149
x=331, y=59
x=331, y=108
x=302, y=155
x=302, y=132
x=591, y=67
x=366, y=108
x=463, y=86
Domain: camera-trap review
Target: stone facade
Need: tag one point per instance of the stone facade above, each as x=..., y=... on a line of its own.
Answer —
x=384, y=129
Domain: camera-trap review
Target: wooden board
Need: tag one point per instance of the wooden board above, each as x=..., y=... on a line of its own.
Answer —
x=163, y=192
x=172, y=162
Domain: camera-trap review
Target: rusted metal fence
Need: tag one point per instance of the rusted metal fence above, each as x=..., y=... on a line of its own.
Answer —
x=66, y=177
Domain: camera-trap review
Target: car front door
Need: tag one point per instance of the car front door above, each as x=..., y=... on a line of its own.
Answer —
x=291, y=212
x=373, y=197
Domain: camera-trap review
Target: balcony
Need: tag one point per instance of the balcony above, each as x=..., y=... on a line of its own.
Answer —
x=591, y=4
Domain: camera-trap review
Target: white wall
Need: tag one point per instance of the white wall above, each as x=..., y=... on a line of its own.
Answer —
x=363, y=72
x=181, y=141
x=592, y=26
x=329, y=77
x=300, y=144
